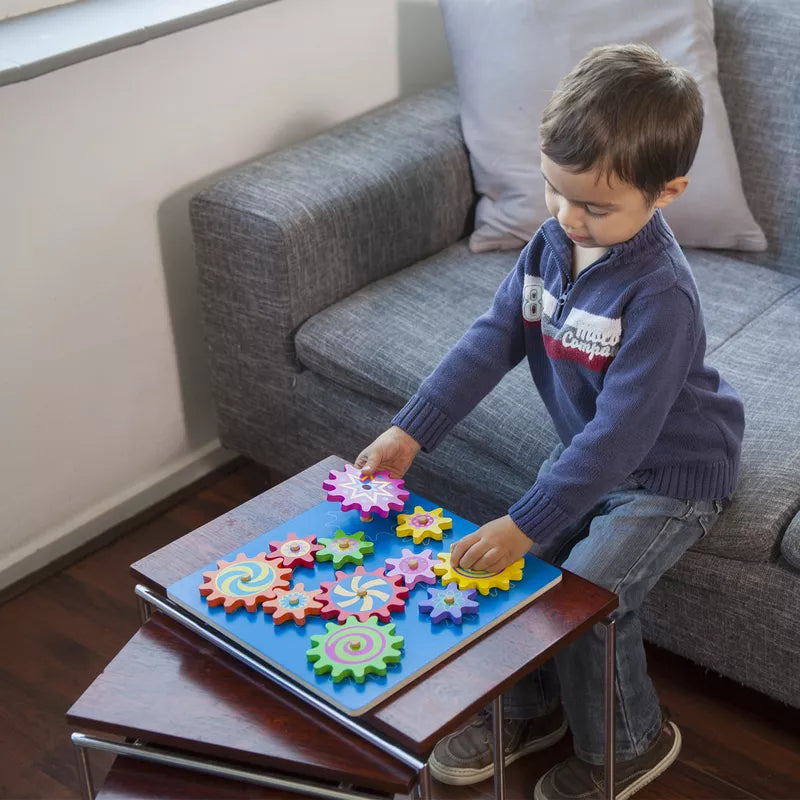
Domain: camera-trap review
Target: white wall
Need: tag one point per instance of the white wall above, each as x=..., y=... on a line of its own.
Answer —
x=104, y=395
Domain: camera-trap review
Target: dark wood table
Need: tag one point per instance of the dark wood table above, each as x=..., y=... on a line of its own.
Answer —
x=192, y=698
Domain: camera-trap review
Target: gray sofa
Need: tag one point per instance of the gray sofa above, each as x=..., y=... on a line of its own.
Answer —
x=335, y=274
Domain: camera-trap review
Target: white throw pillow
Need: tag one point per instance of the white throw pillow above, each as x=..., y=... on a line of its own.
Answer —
x=508, y=57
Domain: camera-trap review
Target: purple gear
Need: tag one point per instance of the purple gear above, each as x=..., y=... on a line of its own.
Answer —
x=449, y=603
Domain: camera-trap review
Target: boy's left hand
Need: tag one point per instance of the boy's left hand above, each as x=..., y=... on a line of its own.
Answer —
x=493, y=547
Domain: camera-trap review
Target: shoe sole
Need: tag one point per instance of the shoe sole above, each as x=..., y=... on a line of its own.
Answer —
x=464, y=776
x=639, y=783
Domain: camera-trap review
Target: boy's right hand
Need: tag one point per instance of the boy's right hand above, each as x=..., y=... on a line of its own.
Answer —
x=393, y=450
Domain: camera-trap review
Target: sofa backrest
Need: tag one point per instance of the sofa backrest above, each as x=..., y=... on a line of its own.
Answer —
x=758, y=47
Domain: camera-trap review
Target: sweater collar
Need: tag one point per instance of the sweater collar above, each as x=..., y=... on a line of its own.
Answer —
x=655, y=235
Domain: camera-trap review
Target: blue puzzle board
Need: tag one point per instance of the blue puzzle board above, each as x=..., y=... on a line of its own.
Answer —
x=283, y=647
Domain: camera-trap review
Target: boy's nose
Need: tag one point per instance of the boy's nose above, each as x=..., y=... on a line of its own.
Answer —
x=570, y=217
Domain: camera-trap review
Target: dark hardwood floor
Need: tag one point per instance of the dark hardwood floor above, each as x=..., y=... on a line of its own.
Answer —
x=59, y=634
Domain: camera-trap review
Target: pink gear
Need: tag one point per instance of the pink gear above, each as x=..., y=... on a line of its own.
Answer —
x=370, y=494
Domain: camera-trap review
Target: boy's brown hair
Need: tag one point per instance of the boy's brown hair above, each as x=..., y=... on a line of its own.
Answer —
x=627, y=112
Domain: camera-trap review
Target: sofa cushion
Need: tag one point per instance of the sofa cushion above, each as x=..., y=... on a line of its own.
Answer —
x=384, y=339
x=763, y=362
x=508, y=58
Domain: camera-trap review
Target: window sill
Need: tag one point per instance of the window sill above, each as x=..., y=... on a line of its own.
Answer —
x=48, y=40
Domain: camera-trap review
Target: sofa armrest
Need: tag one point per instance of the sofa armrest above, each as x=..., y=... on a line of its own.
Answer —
x=287, y=235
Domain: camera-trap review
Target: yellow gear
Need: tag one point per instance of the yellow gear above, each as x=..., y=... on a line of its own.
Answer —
x=475, y=579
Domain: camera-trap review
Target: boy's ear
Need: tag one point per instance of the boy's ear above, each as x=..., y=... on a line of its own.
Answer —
x=673, y=190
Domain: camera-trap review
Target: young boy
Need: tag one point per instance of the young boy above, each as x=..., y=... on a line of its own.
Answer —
x=603, y=305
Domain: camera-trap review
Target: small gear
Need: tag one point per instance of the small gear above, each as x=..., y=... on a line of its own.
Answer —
x=355, y=649
x=413, y=568
x=295, y=604
x=476, y=579
x=370, y=494
x=363, y=595
x=245, y=581
x=295, y=551
x=449, y=603
x=423, y=524
x=345, y=548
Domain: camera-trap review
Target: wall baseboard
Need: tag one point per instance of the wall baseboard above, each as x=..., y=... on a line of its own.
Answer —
x=58, y=542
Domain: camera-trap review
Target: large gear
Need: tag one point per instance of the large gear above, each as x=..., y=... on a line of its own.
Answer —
x=363, y=595
x=246, y=581
x=423, y=524
x=344, y=548
x=370, y=494
x=355, y=649
x=476, y=579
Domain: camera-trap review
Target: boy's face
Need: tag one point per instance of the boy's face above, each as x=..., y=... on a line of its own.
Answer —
x=593, y=211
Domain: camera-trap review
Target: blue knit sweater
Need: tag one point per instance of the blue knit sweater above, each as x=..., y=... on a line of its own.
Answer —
x=618, y=358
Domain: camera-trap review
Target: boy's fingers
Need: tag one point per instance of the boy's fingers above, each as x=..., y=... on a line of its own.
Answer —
x=472, y=554
x=457, y=550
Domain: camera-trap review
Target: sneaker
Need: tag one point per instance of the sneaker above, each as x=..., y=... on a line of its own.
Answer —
x=574, y=778
x=467, y=756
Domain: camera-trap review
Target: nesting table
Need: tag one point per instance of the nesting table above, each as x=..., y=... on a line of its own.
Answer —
x=180, y=697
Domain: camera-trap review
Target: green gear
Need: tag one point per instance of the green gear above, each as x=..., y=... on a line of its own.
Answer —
x=355, y=649
x=350, y=551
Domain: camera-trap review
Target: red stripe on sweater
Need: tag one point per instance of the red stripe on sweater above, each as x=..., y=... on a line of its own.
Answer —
x=556, y=349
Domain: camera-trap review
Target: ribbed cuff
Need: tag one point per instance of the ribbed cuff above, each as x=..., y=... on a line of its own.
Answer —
x=538, y=517
x=422, y=420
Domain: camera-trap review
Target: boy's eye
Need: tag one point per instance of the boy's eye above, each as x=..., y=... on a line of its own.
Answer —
x=593, y=213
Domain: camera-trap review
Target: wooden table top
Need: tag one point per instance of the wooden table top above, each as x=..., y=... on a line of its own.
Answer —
x=453, y=691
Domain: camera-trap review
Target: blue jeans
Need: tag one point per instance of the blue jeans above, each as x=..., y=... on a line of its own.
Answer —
x=624, y=544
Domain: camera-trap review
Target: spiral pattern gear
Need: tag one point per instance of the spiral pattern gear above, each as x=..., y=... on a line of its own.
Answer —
x=372, y=494
x=476, y=579
x=363, y=595
x=246, y=581
x=355, y=649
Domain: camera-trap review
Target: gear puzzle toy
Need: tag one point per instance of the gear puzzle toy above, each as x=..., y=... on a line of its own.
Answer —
x=362, y=595
x=296, y=551
x=293, y=604
x=355, y=649
x=450, y=603
x=344, y=548
x=484, y=582
x=370, y=494
x=346, y=610
x=423, y=524
x=245, y=581
x=412, y=567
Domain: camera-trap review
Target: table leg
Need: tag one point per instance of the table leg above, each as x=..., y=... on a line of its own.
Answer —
x=85, y=772
x=424, y=788
x=145, y=611
x=499, y=749
x=611, y=642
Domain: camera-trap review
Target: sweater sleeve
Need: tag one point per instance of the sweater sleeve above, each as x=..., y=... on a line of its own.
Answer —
x=493, y=345
x=640, y=387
